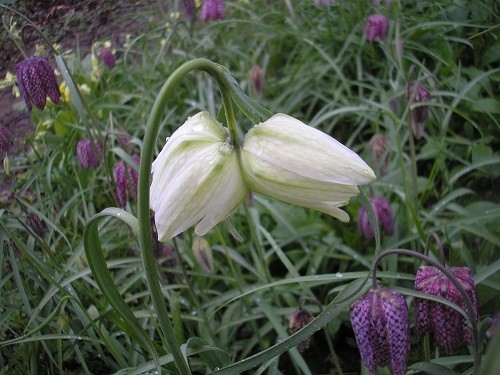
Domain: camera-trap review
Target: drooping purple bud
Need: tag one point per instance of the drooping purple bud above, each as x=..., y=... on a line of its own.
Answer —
x=107, y=57
x=448, y=326
x=379, y=145
x=203, y=254
x=38, y=226
x=257, y=75
x=212, y=10
x=189, y=8
x=418, y=93
x=126, y=178
x=380, y=323
x=85, y=154
x=376, y=27
x=36, y=80
x=385, y=217
x=377, y=2
x=298, y=320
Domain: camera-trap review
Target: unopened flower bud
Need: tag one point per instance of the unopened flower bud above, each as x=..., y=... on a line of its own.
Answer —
x=212, y=10
x=85, y=153
x=418, y=93
x=298, y=320
x=495, y=327
x=448, y=326
x=257, y=76
x=37, y=81
x=203, y=254
x=380, y=323
x=376, y=27
x=385, y=217
x=379, y=145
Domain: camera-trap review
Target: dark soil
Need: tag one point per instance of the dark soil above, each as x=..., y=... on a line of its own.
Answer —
x=72, y=24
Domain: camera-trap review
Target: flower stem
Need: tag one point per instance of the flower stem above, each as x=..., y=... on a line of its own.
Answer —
x=143, y=206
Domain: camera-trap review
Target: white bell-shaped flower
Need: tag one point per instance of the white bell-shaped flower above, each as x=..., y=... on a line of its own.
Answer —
x=291, y=161
x=196, y=178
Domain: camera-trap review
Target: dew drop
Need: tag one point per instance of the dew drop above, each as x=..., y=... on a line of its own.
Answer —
x=197, y=127
x=338, y=274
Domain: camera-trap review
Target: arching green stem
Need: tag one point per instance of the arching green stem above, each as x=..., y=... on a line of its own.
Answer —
x=145, y=233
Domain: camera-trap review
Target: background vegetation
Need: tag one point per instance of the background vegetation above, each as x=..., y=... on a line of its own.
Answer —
x=318, y=67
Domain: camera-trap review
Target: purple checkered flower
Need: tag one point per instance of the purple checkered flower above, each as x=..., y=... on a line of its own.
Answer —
x=418, y=93
x=85, y=153
x=380, y=323
x=126, y=179
x=212, y=10
x=384, y=214
x=376, y=27
x=107, y=57
x=448, y=326
x=298, y=320
x=36, y=80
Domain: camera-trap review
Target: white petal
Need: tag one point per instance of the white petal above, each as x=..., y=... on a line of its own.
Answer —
x=292, y=145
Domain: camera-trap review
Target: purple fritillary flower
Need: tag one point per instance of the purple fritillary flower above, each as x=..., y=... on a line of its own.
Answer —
x=380, y=323
x=298, y=320
x=38, y=226
x=377, y=2
x=376, y=27
x=107, y=57
x=212, y=10
x=85, y=153
x=126, y=179
x=257, y=76
x=324, y=2
x=379, y=145
x=418, y=93
x=384, y=214
x=36, y=80
x=189, y=8
x=448, y=326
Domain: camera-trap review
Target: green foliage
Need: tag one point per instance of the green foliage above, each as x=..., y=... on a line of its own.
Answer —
x=56, y=318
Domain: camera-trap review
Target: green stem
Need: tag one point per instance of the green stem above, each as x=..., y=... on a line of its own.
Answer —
x=145, y=233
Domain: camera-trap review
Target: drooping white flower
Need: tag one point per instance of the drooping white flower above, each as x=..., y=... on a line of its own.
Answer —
x=196, y=178
x=199, y=178
x=289, y=160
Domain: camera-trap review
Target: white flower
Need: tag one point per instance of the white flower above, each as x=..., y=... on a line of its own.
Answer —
x=196, y=179
x=199, y=178
x=298, y=164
